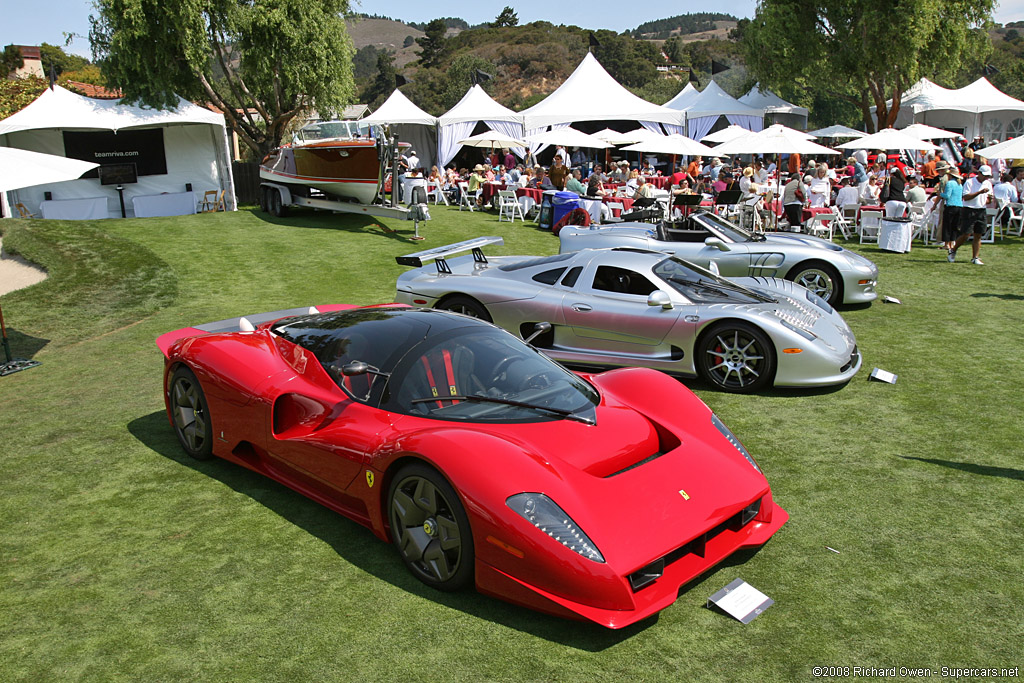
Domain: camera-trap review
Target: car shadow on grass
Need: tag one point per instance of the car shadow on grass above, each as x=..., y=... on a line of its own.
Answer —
x=973, y=468
x=1005, y=297
x=357, y=545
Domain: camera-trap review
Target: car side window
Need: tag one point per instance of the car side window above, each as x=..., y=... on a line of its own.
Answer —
x=549, y=277
x=622, y=281
x=570, y=279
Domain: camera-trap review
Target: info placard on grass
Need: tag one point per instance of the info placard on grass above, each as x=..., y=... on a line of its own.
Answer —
x=741, y=600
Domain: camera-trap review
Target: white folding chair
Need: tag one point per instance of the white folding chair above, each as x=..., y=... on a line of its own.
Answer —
x=822, y=225
x=993, y=227
x=436, y=191
x=1015, y=213
x=465, y=200
x=612, y=208
x=508, y=205
x=846, y=219
x=919, y=224
x=870, y=224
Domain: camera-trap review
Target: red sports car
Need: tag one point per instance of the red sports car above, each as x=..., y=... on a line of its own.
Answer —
x=585, y=496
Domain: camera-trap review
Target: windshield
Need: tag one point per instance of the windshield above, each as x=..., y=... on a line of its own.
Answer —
x=702, y=286
x=730, y=231
x=333, y=129
x=483, y=374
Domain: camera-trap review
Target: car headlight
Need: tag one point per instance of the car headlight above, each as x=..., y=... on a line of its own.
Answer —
x=818, y=301
x=544, y=513
x=733, y=440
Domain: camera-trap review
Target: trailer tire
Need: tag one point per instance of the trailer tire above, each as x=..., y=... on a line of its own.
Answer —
x=277, y=207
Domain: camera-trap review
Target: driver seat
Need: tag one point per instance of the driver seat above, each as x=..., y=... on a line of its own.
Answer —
x=447, y=372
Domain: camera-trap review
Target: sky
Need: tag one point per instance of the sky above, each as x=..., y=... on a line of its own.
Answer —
x=29, y=22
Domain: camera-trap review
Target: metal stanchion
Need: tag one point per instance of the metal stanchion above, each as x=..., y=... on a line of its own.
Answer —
x=13, y=364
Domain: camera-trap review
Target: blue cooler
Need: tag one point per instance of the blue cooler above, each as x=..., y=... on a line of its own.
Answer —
x=562, y=203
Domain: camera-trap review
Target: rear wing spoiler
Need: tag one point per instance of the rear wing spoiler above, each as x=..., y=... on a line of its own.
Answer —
x=439, y=254
x=243, y=323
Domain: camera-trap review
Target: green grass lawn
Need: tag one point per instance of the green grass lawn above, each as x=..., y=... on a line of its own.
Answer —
x=122, y=559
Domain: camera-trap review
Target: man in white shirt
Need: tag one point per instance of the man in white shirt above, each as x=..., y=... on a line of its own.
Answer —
x=1004, y=193
x=977, y=191
x=847, y=194
x=861, y=155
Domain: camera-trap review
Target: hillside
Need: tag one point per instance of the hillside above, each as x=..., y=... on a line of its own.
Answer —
x=385, y=34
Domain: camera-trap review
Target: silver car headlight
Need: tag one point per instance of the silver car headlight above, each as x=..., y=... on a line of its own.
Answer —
x=727, y=433
x=544, y=513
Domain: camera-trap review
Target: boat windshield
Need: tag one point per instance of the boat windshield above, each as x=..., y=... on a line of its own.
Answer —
x=325, y=130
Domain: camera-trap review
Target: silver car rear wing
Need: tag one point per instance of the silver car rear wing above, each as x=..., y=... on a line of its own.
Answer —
x=439, y=254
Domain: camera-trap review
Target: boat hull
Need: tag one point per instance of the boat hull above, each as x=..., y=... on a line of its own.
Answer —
x=346, y=168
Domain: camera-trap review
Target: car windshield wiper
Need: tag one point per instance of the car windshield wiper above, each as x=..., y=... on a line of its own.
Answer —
x=722, y=287
x=568, y=414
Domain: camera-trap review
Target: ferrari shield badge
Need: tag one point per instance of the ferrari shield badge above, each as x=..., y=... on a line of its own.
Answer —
x=684, y=494
x=369, y=478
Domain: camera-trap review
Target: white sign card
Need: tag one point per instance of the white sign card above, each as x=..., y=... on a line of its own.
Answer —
x=883, y=376
x=741, y=600
x=891, y=300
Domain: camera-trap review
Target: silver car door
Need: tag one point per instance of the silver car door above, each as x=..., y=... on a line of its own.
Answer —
x=608, y=311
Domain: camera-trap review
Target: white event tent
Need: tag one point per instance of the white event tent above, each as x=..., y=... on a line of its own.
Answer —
x=682, y=100
x=408, y=123
x=195, y=146
x=976, y=109
x=475, y=106
x=702, y=112
x=775, y=108
x=591, y=94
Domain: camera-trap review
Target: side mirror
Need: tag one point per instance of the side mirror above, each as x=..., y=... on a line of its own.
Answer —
x=538, y=329
x=717, y=243
x=659, y=298
x=355, y=368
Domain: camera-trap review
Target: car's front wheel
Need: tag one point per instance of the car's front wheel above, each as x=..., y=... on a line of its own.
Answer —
x=191, y=414
x=430, y=528
x=737, y=357
x=820, y=278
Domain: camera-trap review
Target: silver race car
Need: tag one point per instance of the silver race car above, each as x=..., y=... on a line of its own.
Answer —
x=836, y=274
x=626, y=306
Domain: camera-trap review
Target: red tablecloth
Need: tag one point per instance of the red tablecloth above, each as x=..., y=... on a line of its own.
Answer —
x=659, y=181
x=489, y=190
x=814, y=210
x=627, y=204
x=534, y=193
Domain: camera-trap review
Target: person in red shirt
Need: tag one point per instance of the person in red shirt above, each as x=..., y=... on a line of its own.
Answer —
x=794, y=163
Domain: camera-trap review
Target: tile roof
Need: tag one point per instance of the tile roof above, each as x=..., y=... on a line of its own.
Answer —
x=95, y=91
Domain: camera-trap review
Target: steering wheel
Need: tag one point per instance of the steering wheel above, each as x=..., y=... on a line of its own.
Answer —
x=502, y=366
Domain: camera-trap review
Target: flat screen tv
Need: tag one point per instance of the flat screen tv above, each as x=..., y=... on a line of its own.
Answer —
x=118, y=174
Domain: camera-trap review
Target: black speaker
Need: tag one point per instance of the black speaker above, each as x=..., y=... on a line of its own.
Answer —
x=48, y=196
x=188, y=187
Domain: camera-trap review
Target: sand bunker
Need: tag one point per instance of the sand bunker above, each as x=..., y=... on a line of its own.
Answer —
x=16, y=272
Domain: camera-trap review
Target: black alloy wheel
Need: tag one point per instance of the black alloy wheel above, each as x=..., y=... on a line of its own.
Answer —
x=430, y=528
x=191, y=414
x=466, y=306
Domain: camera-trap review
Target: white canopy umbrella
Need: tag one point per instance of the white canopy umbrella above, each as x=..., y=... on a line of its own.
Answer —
x=726, y=134
x=493, y=139
x=672, y=144
x=925, y=132
x=20, y=168
x=838, y=132
x=614, y=137
x=890, y=138
x=1011, y=149
x=776, y=139
x=568, y=137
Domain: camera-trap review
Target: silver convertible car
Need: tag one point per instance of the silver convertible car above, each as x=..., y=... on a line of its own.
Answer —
x=836, y=274
x=626, y=306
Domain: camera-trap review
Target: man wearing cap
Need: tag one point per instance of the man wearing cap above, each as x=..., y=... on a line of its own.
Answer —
x=977, y=191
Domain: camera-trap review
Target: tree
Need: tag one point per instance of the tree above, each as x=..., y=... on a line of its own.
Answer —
x=60, y=61
x=11, y=59
x=865, y=51
x=408, y=42
x=629, y=61
x=433, y=44
x=18, y=93
x=260, y=62
x=383, y=83
x=507, y=17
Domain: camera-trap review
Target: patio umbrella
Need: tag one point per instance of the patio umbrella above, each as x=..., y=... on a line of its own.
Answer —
x=777, y=139
x=614, y=137
x=726, y=134
x=925, y=132
x=493, y=139
x=672, y=144
x=890, y=138
x=21, y=168
x=569, y=137
x=837, y=132
x=1011, y=149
